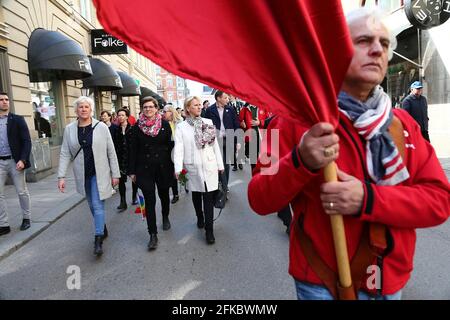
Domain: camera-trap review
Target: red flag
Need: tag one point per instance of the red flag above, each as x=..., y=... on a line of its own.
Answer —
x=289, y=55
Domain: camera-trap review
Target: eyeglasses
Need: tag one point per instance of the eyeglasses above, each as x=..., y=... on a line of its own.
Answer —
x=148, y=107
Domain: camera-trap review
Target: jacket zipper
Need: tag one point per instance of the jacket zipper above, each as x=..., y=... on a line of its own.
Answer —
x=367, y=179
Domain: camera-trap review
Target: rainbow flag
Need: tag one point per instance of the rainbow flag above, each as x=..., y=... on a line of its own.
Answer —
x=141, y=207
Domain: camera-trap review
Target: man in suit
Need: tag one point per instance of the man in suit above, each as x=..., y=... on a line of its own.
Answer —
x=226, y=122
x=15, y=148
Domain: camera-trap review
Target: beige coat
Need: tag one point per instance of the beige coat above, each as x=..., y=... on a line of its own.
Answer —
x=105, y=158
x=202, y=165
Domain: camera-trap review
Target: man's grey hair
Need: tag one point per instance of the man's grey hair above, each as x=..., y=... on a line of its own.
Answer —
x=374, y=16
x=84, y=99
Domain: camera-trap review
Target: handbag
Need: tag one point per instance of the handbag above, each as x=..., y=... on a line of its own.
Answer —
x=220, y=197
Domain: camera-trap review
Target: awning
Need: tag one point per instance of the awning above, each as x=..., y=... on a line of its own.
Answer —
x=130, y=87
x=104, y=77
x=52, y=55
x=145, y=92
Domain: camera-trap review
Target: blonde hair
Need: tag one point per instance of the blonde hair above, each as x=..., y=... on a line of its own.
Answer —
x=175, y=115
x=188, y=101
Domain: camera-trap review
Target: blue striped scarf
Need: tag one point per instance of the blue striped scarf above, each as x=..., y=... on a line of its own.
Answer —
x=372, y=119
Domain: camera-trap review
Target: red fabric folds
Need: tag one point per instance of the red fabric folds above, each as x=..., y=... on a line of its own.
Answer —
x=290, y=56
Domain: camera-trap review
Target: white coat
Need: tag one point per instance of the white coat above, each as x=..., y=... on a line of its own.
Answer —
x=105, y=158
x=202, y=165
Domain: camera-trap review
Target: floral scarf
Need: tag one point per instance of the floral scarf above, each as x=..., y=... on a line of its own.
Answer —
x=203, y=133
x=148, y=126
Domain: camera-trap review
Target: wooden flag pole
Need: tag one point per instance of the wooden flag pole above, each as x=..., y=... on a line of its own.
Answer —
x=340, y=244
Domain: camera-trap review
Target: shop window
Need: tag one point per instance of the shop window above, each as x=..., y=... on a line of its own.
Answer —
x=46, y=110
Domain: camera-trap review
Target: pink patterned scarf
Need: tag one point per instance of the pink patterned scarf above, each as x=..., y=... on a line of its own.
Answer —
x=148, y=126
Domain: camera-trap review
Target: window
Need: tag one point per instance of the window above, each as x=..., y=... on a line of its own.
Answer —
x=44, y=100
x=4, y=69
x=85, y=8
x=180, y=82
x=170, y=97
x=158, y=82
x=169, y=82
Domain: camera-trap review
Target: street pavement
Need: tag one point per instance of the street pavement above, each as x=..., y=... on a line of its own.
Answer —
x=248, y=261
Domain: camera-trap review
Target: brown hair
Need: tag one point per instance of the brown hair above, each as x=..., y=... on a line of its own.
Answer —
x=147, y=99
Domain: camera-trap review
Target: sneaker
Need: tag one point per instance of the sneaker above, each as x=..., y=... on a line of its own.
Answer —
x=5, y=230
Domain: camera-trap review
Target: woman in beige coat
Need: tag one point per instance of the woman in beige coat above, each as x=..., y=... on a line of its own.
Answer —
x=197, y=151
x=88, y=144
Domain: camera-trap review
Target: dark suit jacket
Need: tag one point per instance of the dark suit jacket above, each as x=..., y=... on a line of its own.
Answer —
x=230, y=119
x=19, y=139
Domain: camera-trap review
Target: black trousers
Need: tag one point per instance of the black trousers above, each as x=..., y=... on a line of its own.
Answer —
x=122, y=187
x=135, y=190
x=207, y=212
x=174, y=187
x=150, y=205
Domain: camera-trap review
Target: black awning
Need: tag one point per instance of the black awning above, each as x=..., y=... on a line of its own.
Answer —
x=104, y=77
x=52, y=55
x=130, y=87
x=146, y=92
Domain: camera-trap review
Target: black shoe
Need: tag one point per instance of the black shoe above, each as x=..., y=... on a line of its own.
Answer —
x=122, y=207
x=200, y=223
x=166, y=223
x=210, y=237
x=134, y=202
x=234, y=169
x=186, y=189
x=153, y=243
x=241, y=167
x=5, y=230
x=25, y=224
x=175, y=199
x=98, y=250
x=105, y=233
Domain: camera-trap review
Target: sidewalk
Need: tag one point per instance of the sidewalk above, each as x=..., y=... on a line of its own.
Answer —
x=48, y=205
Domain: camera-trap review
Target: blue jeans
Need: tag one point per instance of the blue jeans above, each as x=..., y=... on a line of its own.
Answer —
x=96, y=205
x=308, y=291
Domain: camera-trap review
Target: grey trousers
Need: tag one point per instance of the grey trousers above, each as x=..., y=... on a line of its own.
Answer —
x=8, y=167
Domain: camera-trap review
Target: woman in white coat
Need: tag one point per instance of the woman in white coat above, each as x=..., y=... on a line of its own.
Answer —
x=197, y=151
x=88, y=144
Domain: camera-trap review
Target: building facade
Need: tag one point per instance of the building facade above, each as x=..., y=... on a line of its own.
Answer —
x=172, y=88
x=39, y=76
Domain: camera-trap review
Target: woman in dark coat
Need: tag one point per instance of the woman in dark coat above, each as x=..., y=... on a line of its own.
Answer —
x=122, y=142
x=150, y=163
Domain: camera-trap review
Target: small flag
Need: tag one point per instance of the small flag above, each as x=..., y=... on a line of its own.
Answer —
x=140, y=209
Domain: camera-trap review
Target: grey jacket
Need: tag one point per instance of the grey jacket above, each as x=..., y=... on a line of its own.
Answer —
x=105, y=158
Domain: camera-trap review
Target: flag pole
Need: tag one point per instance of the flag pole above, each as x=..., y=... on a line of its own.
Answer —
x=340, y=245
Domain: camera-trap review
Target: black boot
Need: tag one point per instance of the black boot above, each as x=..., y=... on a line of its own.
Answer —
x=105, y=233
x=210, y=237
x=175, y=199
x=200, y=222
x=153, y=243
x=166, y=223
x=123, y=204
x=98, y=250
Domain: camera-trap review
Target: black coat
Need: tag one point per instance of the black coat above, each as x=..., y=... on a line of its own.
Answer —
x=122, y=143
x=19, y=139
x=150, y=158
x=417, y=107
x=230, y=118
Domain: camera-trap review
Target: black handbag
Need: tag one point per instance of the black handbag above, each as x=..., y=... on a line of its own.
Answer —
x=220, y=197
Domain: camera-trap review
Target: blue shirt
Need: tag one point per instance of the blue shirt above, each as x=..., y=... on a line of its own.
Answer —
x=5, y=150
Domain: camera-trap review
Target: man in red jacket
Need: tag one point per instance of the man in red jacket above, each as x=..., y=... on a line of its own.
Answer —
x=381, y=186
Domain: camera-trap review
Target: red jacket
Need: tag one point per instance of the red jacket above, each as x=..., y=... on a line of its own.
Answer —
x=421, y=201
x=246, y=116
